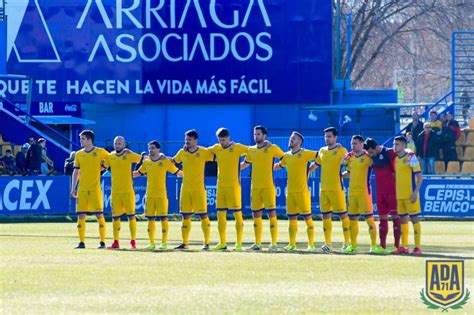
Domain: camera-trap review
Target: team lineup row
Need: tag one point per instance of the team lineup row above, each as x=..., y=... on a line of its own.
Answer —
x=397, y=175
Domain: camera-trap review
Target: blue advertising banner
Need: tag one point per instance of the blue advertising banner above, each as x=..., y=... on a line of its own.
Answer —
x=3, y=47
x=170, y=51
x=52, y=108
x=447, y=198
x=35, y=195
x=50, y=195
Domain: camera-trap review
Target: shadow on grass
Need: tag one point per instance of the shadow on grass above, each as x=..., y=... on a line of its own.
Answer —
x=429, y=251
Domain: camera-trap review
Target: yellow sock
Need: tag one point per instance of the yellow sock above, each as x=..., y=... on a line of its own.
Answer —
x=404, y=234
x=222, y=226
x=372, y=230
x=186, y=230
x=310, y=231
x=132, y=224
x=206, y=230
x=81, y=229
x=274, y=229
x=151, y=231
x=327, y=227
x=164, y=231
x=293, y=229
x=102, y=228
x=346, y=226
x=239, y=226
x=354, y=231
x=116, y=226
x=417, y=229
x=258, y=229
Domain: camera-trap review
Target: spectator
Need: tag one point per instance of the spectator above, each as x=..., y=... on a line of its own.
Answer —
x=435, y=123
x=69, y=163
x=427, y=148
x=451, y=132
x=442, y=118
x=416, y=126
x=453, y=124
x=465, y=102
x=410, y=142
x=20, y=159
x=47, y=165
x=9, y=163
x=34, y=157
x=108, y=146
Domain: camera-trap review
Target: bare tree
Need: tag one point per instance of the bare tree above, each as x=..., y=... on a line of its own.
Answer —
x=413, y=36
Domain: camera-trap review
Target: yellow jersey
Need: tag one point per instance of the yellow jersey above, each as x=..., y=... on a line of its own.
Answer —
x=436, y=124
x=406, y=167
x=262, y=164
x=228, y=163
x=90, y=165
x=297, y=167
x=330, y=162
x=121, y=170
x=193, y=167
x=360, y=168
x=156, y=176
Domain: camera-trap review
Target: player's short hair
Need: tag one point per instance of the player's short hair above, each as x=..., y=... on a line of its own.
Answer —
x=155, y=143
x=41, y=140
x=222, y=132
x=409, y=133
x=89, y=134
x=262, y=129
x=358, y=137
x=434, y=112
x=370, y=144
x=400, y=139
x=333, y=130
x=192, y=134
x=299, y=135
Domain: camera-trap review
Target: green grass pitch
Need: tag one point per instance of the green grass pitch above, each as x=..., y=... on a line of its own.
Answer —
x=42, y=273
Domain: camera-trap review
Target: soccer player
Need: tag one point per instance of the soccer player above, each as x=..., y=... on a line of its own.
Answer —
x=120, y=163
x=193, y=197
x=263, y=192
x=408, y=183
x=298, y=198
x=358, y=168
x=383, y=164
x=229, y=192
x=87, y=168
x=156, y=208
x=331, y=194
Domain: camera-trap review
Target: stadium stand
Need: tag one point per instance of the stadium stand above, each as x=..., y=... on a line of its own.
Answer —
x=461, y=139
x=468, y=154
x=6, y=147
x=440, y=168
x=16, y=149
x=453, y=168
x=465, y=155
x=469, y=139
x=467, y=168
